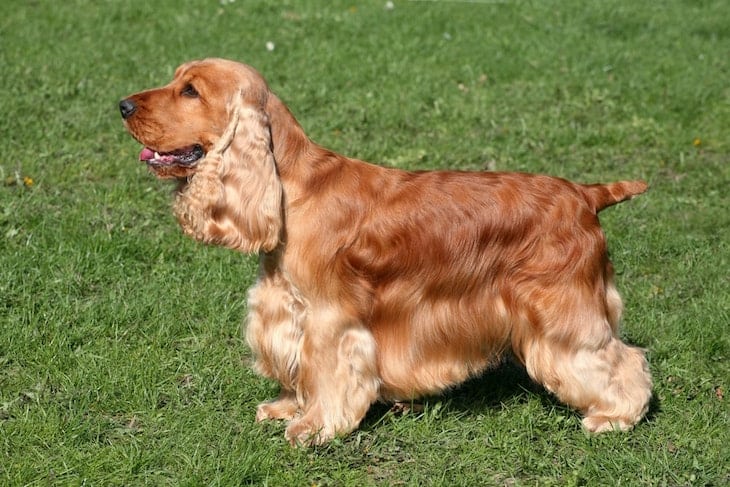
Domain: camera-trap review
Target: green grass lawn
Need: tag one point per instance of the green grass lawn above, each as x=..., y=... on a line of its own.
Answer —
x=121, y=357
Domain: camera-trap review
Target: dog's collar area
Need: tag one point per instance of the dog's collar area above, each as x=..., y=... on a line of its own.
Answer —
x=185, y=156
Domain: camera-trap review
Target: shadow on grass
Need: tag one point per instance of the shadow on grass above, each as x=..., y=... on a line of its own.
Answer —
x=507, y=383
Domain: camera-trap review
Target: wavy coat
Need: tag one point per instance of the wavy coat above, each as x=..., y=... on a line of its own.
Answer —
x=382, y=284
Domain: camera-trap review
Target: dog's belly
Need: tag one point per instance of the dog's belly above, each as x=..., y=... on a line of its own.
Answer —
x=410, y=380
x=436, y=345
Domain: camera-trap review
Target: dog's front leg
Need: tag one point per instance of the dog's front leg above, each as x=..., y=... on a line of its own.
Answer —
x=338, y=379
x=274, y=334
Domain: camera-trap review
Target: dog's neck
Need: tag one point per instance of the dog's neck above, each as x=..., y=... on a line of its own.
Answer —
x=297, y=157
x=287, y=136
x=290, y=143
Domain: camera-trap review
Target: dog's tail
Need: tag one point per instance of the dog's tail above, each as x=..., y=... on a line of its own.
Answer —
x=601, y=196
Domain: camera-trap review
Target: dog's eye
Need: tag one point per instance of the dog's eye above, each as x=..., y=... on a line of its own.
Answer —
x=190, y=91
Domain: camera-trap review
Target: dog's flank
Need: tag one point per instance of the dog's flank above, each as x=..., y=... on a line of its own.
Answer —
x=382, y=284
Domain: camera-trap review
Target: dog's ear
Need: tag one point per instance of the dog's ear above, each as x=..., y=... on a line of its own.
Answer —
x=235, y=197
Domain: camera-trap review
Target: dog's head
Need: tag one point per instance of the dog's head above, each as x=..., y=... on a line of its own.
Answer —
x=209, y=128
x=179, y=123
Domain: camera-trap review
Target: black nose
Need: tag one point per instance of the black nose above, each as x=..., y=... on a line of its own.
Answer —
x=127, y=107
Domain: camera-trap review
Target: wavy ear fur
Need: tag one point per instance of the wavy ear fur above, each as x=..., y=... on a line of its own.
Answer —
x=235, y=197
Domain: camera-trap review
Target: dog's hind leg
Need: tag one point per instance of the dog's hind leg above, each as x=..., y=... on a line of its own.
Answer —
x=571, y=346
x=626, y=397
x=607, y=381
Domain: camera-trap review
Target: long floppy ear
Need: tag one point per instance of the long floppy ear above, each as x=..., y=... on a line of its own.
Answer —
x=235, y=197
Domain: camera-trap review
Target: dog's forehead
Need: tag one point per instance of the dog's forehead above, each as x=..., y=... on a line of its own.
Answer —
x=212, y=74
x=209, y=67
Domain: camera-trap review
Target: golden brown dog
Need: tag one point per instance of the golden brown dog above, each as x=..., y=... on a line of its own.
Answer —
x=382, y=284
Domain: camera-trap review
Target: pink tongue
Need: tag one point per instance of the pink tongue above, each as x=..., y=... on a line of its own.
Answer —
x=147, y=154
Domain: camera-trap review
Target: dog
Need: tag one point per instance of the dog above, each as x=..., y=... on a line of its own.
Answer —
x=379, y=284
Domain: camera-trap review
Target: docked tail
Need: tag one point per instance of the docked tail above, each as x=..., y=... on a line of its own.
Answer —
x=600, y=196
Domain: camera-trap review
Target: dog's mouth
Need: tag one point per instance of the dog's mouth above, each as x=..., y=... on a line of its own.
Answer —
x=186, y=156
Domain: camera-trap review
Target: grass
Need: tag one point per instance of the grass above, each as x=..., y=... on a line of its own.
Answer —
x=121, y=358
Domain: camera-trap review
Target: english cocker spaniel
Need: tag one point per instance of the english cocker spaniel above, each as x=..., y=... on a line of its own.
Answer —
x=381, y=284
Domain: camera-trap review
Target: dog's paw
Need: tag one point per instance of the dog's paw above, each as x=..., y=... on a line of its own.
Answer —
x=279, y=409
x=601, y=424
x=303, y=433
